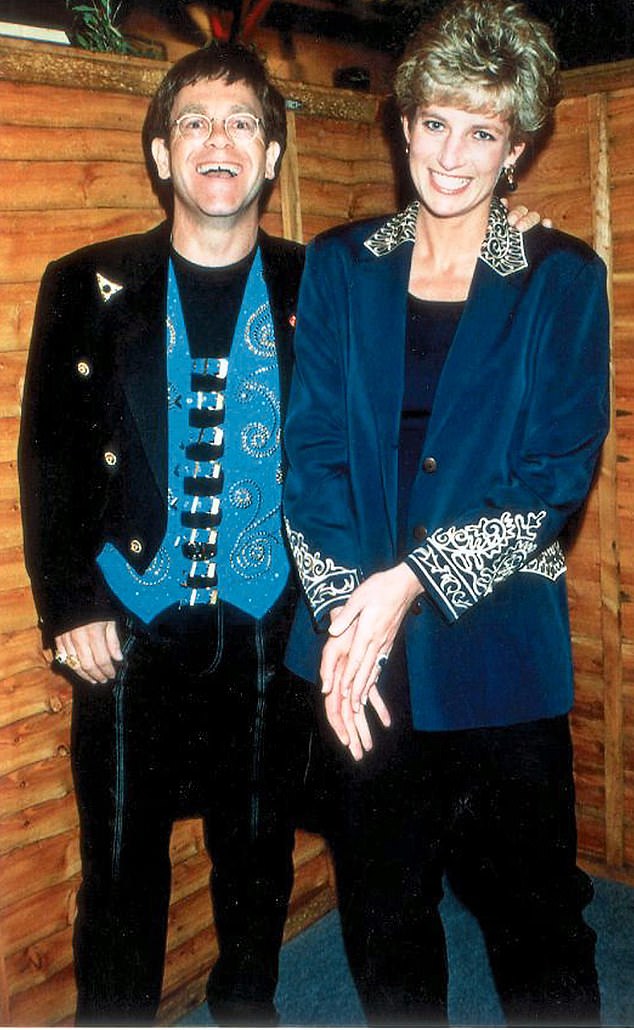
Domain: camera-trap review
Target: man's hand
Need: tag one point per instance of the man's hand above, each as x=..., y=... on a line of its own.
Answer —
x=523, y=219
x=91, y=651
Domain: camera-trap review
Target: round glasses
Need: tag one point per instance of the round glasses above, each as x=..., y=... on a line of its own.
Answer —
x=240, y=127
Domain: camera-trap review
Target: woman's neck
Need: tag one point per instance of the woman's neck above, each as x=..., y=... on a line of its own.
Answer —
x=445, y=254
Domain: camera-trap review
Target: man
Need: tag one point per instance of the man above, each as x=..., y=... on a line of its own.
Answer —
x=151, y=471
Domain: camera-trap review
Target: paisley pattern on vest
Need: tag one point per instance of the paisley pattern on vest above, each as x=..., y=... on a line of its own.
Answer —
x=223, y=535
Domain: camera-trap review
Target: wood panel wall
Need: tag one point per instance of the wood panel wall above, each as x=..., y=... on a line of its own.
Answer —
x=71, y=171
x=584, y=179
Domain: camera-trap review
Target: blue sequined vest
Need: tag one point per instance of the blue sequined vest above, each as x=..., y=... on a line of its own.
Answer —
x=224, y=531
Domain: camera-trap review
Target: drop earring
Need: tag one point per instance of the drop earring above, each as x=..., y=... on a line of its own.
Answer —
x=509, y=171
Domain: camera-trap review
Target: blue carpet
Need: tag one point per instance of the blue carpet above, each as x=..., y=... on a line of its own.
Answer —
x=316, y=989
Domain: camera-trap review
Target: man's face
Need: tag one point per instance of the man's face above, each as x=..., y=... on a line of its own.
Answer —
x=217, y=178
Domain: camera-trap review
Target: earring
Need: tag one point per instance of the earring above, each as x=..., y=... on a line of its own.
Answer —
x=406, y=149
x=509, y=171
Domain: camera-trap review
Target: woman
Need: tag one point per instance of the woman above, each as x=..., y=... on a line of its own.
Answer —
x=449, y=404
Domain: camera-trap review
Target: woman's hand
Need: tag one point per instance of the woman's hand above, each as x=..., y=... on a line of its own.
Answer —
x=362, y=634
x=351, y=727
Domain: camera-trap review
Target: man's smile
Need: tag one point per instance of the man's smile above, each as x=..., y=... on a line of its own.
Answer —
x=223, y=168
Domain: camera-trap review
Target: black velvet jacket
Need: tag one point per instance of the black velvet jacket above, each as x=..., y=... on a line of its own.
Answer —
x=93, y=445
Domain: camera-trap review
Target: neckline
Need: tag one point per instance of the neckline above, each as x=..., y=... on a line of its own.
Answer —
x=437, y=304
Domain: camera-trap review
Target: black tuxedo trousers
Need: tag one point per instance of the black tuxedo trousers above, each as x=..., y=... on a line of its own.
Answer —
x=202, y=719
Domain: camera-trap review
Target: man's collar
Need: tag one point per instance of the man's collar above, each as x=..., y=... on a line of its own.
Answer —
x=502, y=248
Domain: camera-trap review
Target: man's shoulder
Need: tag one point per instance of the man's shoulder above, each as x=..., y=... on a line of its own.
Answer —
x=121, y=253
x=280, y=251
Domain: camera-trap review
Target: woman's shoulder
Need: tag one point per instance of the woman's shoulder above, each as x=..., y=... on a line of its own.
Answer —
x=358, y=236
x=558, y=249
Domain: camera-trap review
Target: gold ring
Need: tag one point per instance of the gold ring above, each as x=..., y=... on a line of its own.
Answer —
x=72, y=661
x=61, y=657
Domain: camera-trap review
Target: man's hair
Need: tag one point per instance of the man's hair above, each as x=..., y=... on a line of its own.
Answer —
x=483, y=55
x=232, y=62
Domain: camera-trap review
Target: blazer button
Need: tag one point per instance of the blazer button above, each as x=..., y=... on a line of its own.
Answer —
x=420, y=532
x=135, y=546
x=110, y=458
x=430, y=464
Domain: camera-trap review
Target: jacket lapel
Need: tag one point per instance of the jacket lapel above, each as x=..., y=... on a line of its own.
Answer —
x=477, y=349
x=379, y=302
x=282, y=268
x=136, y=320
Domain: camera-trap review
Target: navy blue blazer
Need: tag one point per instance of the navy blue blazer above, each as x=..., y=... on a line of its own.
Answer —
x=520, y=412
x=93, y=444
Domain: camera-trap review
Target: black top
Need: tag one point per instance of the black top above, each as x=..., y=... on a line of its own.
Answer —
x=431, y=326
x=211, y=299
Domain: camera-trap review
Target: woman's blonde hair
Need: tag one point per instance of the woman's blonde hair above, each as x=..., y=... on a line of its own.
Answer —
x=483, y=55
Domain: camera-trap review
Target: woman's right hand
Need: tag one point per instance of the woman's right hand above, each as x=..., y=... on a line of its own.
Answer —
x=349, y=723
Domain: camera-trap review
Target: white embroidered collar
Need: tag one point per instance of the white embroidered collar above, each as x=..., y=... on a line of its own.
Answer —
x=502, y=249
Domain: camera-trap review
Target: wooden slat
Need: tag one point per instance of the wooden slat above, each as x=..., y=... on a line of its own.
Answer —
x=20, y=143
x=34, y=739
x=12, y=365
x=329, y=200
x=67, y=185
x=290, y=190
x=17, y=307
x=13, y=572
x=42, y=821
x=608, y=522
x=38, y=866
x=34, y=691
x=17, y=610
x=24, y=791
x=36, y=964
x=600, y=78
x=319, y=138
x=39, y=916
x=347, y=172
x=55, y=107
x=622, y=205
x=48, y=1003
x=20, y=652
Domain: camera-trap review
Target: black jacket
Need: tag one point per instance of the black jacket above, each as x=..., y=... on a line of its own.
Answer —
x=93, y=444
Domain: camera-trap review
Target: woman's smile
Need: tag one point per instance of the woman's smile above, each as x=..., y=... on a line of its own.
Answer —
x=446, y=183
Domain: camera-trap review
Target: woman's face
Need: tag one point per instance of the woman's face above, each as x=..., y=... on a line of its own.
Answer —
x=455, y=157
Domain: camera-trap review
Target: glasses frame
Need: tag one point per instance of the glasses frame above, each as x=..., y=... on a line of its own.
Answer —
x=259, y=122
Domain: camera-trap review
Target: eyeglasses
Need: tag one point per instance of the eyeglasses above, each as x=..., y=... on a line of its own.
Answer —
x=241, y=127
